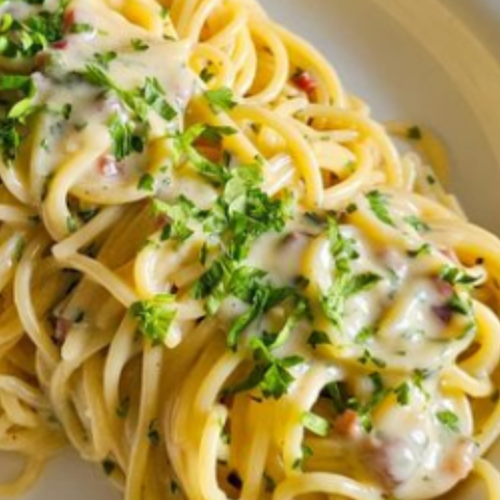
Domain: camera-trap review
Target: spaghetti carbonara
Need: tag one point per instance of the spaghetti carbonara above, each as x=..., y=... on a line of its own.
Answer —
x=219, y=276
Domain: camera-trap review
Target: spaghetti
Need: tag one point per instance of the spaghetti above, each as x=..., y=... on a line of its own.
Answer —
x=219, y=276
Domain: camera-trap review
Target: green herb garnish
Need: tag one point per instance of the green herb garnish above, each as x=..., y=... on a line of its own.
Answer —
x=146, y=183
x=418, y=224
x=270, y=374
x=316, y=424
x=180, y=214
x=139, y=45
x=403, y=394
x=125, y=137
x=318, y=338
x=379, y=206
x=155, y=316
x=154, y=433
x=449, y=419
x=220, y=99
x=456, y=276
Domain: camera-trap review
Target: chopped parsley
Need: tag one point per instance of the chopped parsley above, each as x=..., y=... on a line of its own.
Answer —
x=125, y=137
x=449, y=420
x=180, y=215
x=368, y=358
x=66, y=111
x=207, y=75
x=419, y=377
x=365, y=335
x=307, y=452
x=139, y=45
x=183, y=148
x=342, y=249
x=316, y=424
x=26, y=38
x=300, y=311
x=138, y=101
x=15, y=82
x=154, y=95
x=260, y=303
x=105, y=58
x=87, y=215
x=123, y=408
x=72, y=224
x=155, y=316
x=270, y=374
x=351, y=208
x=344, y=287
x=245, y=282
x=215, y=134
x=462, y=305
x=379, y=206
x=224, y=278
x=336, y=392
x=262, y=299
x=220, y=99
x=425, y=249
x=418, y=224
x=146, y=183
x=364, y=410
x=78, y=28
x=154, y=433
x=164, y=12
x=455, y=276
x=403, y=394
x=241, y=214
x=19, y=249
x=13, y=124
x=215, y=284
x=333, y=303
x=318, y=338
x=362, y=282
x=346, y=284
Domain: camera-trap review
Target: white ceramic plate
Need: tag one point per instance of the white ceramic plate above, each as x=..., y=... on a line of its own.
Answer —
x=447, y=82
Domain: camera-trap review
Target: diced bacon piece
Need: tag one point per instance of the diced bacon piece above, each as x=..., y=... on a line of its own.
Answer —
x=444, y=288
x=444, y=313
x=108, y=167
x=208, y=151
x=41, y=60
x=348, y=424
x=60, y=45
x=61, y=330
x=304, y=81
x=69, y=20
x=460, y=461
x=161, y=221
x=391, y=460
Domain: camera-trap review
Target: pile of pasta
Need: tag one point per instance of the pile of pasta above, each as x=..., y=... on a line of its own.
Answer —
x=219, y=276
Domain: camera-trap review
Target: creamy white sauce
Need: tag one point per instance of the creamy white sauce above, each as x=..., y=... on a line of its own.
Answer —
x=164, y=60
x=410, y=452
